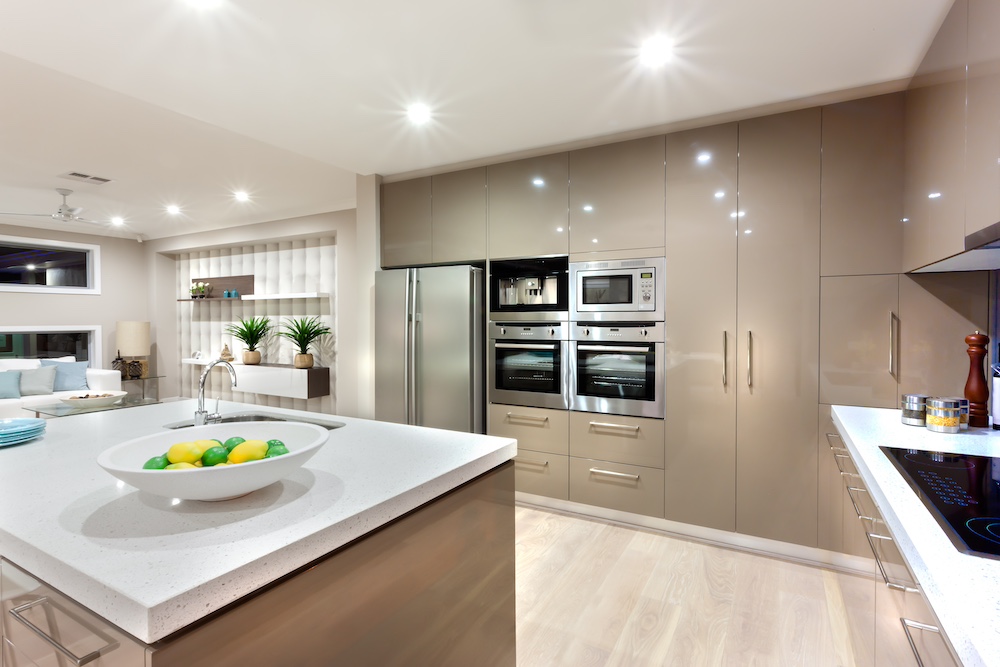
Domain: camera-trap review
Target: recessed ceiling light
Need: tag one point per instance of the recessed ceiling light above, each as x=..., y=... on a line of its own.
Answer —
x=704, y=158
x=418, y=113
x=241, y=195
x=656, y=51
x=30, y=267
x=173, y=209
x=117, y=221
x=594, y=240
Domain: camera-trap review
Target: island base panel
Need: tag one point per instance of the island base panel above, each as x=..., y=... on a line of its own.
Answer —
x=435, y=587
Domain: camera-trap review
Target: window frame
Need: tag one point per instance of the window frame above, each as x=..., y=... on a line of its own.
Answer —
x=92, y=251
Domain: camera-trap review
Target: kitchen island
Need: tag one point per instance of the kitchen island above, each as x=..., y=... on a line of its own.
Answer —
x=165, y=570
x=963, y=590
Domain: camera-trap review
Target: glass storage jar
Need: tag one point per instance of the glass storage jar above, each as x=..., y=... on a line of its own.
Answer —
x=914, y=409
x=944, y=415
x=963, y=403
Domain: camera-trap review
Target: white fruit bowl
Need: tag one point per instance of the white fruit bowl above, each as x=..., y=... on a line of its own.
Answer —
x=125, y=460
x=96, y=401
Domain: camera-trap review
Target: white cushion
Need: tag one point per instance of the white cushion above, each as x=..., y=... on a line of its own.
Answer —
x=20, y=364
x=69, y=358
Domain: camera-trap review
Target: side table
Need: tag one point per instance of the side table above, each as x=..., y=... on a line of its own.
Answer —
x=155, y=379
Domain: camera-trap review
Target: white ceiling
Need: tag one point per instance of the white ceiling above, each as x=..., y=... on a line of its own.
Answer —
x=289, y=100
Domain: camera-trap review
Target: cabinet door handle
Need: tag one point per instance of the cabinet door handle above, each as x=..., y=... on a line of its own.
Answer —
x=725, y=358
x=76, y=659
x=857, y=507
x=624, y=427
x=893, y=343
x=833, y=435
x=513, y=415
x=612, y=473
x=749, y=358
x=907, y=624
x=518, y=459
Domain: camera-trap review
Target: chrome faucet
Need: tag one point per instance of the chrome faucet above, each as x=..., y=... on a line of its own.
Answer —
x=201, y=416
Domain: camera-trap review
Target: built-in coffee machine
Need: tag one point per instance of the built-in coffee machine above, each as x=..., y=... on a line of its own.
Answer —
x=534, y=290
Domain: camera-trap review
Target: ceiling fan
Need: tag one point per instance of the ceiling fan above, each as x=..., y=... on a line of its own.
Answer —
x=65, y=213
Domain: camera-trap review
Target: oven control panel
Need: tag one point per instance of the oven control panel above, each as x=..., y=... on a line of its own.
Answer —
x=520, y=331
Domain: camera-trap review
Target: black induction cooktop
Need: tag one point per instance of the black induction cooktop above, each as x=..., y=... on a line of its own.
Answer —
x=961, y=491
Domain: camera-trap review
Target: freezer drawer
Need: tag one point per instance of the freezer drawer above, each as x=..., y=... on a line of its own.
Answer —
x=43, y=627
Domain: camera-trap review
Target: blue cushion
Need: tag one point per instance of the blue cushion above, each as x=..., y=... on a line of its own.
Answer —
x=70, y=375
x=10, y=384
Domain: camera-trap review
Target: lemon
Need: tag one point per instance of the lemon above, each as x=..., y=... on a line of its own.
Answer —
x=156, y=463
x=214, y=456
x=184, y=452
x=224, y=463
x=248, y=450
x=181, y=466
x=232, y=442
x=206, y=444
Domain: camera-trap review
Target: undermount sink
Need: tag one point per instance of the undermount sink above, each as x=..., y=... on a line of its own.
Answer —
x=257, y=417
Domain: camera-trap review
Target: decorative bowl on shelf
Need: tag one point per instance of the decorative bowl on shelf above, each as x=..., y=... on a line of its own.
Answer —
x=94, y=399
x=125, y=460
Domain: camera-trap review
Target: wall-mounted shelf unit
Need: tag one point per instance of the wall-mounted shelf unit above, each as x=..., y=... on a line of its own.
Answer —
x=277, y=379
x=243, y=285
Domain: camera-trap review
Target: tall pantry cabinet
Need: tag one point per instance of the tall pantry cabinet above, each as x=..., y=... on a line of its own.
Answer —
x=743, y=335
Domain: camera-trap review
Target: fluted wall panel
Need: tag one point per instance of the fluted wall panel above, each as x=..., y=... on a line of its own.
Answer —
x=282, y=267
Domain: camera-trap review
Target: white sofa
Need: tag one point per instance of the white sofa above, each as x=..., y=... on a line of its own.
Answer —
x=98, y=380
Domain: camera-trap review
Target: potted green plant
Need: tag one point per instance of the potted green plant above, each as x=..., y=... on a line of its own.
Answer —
x=303, y=331
x=251, y=332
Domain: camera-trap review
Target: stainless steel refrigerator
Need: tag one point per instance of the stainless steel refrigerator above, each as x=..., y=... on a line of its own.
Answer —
x=429, y=342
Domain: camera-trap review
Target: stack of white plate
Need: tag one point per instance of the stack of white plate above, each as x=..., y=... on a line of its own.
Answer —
x=16, y=431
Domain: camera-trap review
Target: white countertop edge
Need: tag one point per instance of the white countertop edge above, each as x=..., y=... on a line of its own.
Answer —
x=927, y=550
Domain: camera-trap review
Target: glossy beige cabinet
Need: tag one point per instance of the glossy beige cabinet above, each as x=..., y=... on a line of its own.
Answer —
x=700, y=327
x=859, y=340
x=458, y=216
x=982, y=157
x=862, y=187
x=529, y=207
x=617, y=486
x=541, y=466
x=934, y=157
x=633, y=440
x=405, y=223
x=778, y=329
x=616, y=196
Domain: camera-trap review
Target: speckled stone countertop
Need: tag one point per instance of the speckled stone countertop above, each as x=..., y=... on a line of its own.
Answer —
x=152, y=566
x=963, y=590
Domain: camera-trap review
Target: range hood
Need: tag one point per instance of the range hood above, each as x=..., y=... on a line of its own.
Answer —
x=982, y=253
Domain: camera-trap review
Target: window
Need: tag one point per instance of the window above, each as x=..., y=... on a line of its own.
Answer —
x=55, y=267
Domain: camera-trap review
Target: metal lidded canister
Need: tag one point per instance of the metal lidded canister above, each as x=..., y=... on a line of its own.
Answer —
x=963, y=404
x=944, y=415
x=914, y=409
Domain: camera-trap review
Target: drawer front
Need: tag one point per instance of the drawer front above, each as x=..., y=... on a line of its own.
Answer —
x=536, y=429
x=923, y=630
x=616, y=486
x=633, y=440
x=542, y=473
x=49, y=620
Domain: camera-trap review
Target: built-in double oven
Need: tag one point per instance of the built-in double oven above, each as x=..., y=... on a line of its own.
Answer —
x=599, y=348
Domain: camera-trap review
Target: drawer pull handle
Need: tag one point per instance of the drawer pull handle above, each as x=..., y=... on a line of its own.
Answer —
x=857, y=507
x=872, y=537
x=624, y=427
x=850, y=474
x=612, y=473
x=77, y=660
x=512, y=415
x=907, y=625
x=518, y=459
x=839, y=450
x=833, y=435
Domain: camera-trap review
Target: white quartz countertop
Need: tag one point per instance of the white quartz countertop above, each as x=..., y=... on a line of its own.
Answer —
x=152, y=566
x=962, y=589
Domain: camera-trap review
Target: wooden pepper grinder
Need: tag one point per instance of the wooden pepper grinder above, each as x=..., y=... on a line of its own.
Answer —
x=976, y=389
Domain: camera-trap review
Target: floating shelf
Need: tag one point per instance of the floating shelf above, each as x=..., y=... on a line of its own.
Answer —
x=296, y=295
x=277, y=379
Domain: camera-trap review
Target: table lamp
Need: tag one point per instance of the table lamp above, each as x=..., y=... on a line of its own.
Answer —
x=133, y=341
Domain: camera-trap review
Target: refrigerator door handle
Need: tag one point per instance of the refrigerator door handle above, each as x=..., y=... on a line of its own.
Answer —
x=411, y=352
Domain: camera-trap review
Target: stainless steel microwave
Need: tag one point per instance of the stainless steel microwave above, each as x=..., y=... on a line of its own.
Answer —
x=623, y=290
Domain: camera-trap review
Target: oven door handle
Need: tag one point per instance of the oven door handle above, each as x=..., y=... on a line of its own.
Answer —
x=615, y=348
x=526, y=346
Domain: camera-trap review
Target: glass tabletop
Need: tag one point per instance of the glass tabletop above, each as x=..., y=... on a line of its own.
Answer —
x=63, y=410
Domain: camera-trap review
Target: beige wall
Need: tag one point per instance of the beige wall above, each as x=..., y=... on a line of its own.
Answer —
x=123, y=296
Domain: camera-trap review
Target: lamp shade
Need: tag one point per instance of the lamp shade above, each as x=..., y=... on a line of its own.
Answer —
x=132, y=339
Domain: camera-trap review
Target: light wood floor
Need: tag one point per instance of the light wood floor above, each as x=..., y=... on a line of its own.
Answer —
x=593, y=593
